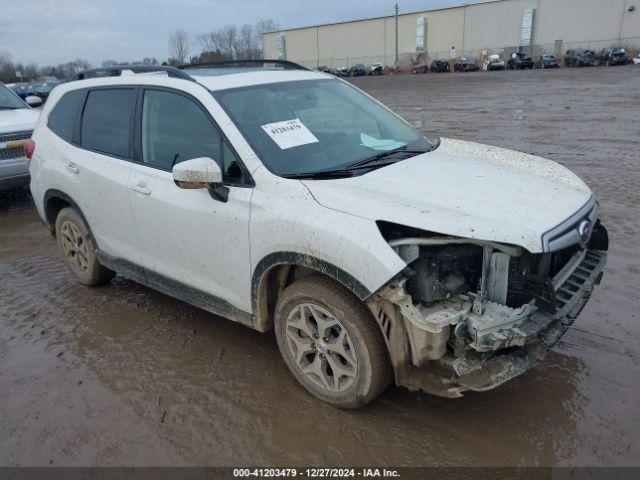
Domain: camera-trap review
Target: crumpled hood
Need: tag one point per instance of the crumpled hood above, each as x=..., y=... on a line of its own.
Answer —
x=20, y=120
x=463, y=189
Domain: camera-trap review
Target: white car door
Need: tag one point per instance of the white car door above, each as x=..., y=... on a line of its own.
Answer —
x=102, y=164
x=188, y=236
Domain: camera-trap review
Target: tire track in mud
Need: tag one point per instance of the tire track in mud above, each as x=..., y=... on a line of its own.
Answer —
x=140, y=360
x=42, y=303
x=168, y=361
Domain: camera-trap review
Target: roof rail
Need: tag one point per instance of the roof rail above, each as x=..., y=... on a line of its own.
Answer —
x=117, y=70
x=258, y=63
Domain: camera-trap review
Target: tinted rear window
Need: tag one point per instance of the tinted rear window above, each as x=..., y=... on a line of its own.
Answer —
x=107, y=119
x=62, y=119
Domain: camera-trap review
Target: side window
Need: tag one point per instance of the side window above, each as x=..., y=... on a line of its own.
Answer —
x=62, y=119
x=175, y=129
x=107, y=120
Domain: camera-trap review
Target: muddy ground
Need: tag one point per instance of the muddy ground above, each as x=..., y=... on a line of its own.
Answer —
x=122, y=375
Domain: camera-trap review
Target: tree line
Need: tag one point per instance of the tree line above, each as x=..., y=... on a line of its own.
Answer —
x=10, y=71
x=227, y=43
x=31, y=72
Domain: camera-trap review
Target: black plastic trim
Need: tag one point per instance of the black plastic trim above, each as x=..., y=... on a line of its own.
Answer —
x=175, y=289
x=303, y=260
x=285, y=64
x=117, y=69
x=53, y=193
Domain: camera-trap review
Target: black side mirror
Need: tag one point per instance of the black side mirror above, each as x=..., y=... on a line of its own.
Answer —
x=219, y=192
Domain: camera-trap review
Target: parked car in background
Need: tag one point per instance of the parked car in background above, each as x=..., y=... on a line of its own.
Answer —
x=547, y=60
x=376, y=69
x=466, y=65
x=420, y=67
x=493, y=62
x=520, y=61
x=580, y=57
x=17, y=121
x=357, y=70
x=636, y=60
x=44, y=85
x=440, y=65
x=323, y=69
x=376, y=255
x=612, y=56
x=342, y=71
x=22, y=89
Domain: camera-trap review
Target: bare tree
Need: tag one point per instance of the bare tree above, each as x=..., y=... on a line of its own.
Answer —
x=246, y=43
x=179, y=46
x=264, y=26
x=7, y=69
x=211, y=42
x=30, y=72
x=229, y=37
x=231, y=42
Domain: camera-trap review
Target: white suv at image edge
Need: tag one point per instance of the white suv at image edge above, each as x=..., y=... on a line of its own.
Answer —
x=17, y=120
x=287, y=199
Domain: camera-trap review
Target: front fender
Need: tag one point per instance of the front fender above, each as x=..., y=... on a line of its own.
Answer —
x=288, y=226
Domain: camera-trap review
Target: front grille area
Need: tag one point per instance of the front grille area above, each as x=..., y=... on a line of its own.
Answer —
x=556, y=281
x=17, y=152
x=568, y=232
x=576, y=279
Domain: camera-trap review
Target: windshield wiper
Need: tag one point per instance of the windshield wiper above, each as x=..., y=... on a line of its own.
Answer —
x=327, y=174
x=368, y=162
x=377, y=161
x=338, y=173
x=3, y=107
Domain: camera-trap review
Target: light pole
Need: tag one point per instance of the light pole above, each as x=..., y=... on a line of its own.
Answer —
x=396, y=61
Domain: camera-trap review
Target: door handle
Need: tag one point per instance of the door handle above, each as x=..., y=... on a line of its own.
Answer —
x=72, y=167
x=141, y=187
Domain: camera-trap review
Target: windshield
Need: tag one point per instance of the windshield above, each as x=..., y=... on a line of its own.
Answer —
x=315, y=125
x=9, y=100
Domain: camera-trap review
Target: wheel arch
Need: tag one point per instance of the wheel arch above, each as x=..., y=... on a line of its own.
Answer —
x=54, y=201
x=278, y=270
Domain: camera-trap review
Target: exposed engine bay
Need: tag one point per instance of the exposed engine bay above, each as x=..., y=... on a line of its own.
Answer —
x=479, y=313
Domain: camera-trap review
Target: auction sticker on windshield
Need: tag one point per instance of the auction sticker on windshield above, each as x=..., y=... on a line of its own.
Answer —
x=289, y=134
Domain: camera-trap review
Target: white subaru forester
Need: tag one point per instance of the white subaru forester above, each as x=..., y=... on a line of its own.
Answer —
x=283, y=198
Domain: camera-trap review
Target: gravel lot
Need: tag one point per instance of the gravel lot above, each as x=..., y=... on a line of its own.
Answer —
x=122, y=375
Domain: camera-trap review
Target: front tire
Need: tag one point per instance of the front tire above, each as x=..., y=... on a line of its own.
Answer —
x=78, y=249
x=330, y=343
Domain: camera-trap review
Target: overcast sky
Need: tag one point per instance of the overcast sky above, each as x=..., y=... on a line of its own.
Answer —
x=56, y=31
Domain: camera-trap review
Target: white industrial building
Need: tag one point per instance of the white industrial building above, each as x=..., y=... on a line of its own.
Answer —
x=474, y=29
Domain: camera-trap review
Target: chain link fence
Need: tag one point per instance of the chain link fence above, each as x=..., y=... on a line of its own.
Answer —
x=406, y=60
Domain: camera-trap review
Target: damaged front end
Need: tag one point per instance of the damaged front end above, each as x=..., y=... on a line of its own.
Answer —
x=471, y=315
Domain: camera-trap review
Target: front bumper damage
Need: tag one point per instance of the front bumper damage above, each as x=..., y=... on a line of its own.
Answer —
x=469, y=343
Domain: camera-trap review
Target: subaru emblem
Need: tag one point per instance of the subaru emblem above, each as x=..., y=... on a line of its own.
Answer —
x=584, y=230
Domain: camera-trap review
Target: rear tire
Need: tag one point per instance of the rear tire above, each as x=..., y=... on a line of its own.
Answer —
x=330, y=343
x=78, y=250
